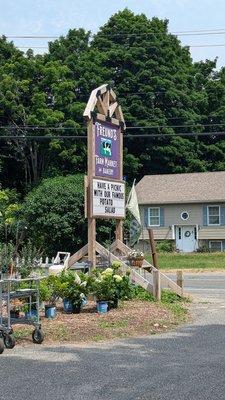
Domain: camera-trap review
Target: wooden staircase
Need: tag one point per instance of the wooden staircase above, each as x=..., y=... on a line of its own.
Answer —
x=142, y=276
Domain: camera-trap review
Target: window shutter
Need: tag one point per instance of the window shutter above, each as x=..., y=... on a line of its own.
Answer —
x=204, y=209
x=222, y=215
x=146, y=217
x=161, y=216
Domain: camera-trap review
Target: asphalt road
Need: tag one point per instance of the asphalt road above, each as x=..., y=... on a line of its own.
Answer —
x=188, y=364
x=209, y=285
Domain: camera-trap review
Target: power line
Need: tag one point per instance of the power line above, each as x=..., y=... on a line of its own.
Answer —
x=184, y=45
x=128, y=136
x=177, y=33
x=56, y=128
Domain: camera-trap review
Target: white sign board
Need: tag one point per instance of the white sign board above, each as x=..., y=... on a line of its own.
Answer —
x=108, y=198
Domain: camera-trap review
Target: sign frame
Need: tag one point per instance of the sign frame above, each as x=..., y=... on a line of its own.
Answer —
x=99, y=216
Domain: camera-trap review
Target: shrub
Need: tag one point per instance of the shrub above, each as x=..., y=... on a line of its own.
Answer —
x=141, y=294
x=165, y=246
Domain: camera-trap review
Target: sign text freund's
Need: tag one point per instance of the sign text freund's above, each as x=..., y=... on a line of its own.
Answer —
x=107, y=150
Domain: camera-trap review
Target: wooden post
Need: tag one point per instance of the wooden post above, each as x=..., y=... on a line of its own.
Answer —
x=91, y=220
x=153, y=248
x=156, y=284
x=119, y=230
x=180, y=280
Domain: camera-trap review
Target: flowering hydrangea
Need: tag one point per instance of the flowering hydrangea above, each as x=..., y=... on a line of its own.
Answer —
x=118, y=278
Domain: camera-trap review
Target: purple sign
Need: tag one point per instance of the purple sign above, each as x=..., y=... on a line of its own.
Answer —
x=107, y=150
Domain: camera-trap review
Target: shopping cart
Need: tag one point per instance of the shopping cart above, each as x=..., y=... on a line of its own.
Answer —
x=26, y=291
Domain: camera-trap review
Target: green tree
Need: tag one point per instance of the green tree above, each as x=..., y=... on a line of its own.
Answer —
x=54, y=214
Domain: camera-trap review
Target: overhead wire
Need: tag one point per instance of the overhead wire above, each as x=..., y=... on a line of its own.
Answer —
x=125, y=136
x=36, y=127
x=203, y=32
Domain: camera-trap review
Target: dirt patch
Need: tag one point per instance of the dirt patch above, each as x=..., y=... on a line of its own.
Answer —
x=132, y=318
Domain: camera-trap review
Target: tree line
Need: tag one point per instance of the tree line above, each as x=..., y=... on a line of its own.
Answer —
x=161, y=91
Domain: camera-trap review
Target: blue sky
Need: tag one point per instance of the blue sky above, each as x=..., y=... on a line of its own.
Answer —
x=55, y=17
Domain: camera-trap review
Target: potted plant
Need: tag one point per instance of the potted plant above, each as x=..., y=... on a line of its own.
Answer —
x=30, y=312
x=136, y=258
x=16, y=307
x=49, y=293
x=104, y=289
x=73, y=291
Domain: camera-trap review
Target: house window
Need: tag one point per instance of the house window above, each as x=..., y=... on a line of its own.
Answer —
x=154, y=216
x=184, y=215
x=215, y=245
x=213, y=215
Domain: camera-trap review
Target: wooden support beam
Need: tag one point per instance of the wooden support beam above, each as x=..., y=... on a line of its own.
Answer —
x=156, y=285
x=78, y=255
x=106, y=100
x=119, y=230
x=101, y=106
x=180, y=280
x=153, y=248
x=112, y=108
x=91, y=220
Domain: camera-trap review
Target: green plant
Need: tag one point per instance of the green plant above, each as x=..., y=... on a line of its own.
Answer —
x=141, y=294
x=170, y=297
x=165, y=246
x=50, y=289
x=73, y=287
x=136, y=255
x=104, y=285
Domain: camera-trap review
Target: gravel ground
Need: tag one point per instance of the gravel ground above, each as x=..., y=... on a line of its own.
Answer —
x=132, y=318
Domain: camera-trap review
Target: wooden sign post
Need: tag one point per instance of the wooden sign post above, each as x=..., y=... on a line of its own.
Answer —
x=105, y=186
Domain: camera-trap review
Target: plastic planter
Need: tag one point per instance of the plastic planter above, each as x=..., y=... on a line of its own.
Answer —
x=102, y=307
x=50, y=312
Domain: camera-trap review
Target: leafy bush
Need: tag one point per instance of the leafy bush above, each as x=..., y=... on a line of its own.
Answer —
x=165, y=246
x=170, y=297
x=54, y=214
x=141, y=294
x=50, y=289
x=73, y=287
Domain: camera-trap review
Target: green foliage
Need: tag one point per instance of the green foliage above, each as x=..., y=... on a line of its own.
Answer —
x=170, y=297
x=9, y=210
x=73, y=287
x=50, y=289
x=159, y=88
x=54, y=214
x=141, y=294
x=109, y=285
x=165, y=246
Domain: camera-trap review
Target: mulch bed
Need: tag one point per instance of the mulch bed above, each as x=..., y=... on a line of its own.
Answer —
x=132, y=318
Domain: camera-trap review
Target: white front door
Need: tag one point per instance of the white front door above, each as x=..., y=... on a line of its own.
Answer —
x=186, y=238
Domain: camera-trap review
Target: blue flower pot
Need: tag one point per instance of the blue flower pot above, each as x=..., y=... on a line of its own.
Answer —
x=67, y=306
x=32, y=314
x=84, y=302
x=102, y=307
x=50, y=312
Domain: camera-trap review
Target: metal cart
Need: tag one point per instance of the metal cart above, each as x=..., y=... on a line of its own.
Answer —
x=11, y=290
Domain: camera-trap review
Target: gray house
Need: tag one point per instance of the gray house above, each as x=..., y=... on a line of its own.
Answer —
x=188, y=209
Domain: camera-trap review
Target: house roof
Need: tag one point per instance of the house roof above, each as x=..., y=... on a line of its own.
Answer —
x=182, y=188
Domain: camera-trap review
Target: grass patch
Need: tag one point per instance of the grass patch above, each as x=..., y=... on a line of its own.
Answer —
x=201, y=261
x=98, y=338
x=175, y=304
x=113, y=325
x=141, y=294
x=20, y=334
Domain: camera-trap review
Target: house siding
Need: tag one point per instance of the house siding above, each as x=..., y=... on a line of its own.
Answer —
x=211, y=233
x=172, y=216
